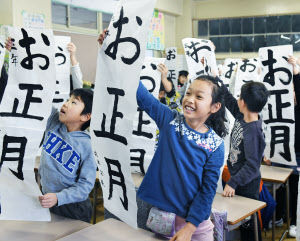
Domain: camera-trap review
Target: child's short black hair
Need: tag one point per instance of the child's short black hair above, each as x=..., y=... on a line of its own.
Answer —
x=86, y=96
x=255, y=96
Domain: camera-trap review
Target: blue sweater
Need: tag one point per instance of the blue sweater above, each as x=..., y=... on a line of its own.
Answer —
x=68, y=167
x=182, y=177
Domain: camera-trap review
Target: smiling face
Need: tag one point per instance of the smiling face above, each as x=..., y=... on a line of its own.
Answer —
x=197, y=102
x=70, y=113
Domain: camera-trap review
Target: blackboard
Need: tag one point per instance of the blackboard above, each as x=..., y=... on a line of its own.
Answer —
x=224, y=26
x=214, y=27
x=259, y=42
x=224, y=43
x=285, y=24
x=203, y=28
x=260, y=25
x=295, y=23
x=236, y=44
x=247, y=44
x=236, y=26
x=272, y=24
x=247, y=25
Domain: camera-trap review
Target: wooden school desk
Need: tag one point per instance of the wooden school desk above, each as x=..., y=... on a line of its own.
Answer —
x=238, y=208
x=58, y=227
x=278, y=175
x=111, y=230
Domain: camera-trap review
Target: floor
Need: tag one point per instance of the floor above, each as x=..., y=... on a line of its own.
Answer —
x=265, y=236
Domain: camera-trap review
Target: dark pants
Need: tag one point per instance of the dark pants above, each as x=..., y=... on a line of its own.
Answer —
x=250, y=190
x=80, y=210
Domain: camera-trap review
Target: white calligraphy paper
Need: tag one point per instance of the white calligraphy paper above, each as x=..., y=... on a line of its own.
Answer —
x=247, y=71
x=195, y=50
x=278, y=114
x=24, y=110
x=62, y=67
x=2, y=52
x=119, y=65
x=171, y=63
x=144, y=128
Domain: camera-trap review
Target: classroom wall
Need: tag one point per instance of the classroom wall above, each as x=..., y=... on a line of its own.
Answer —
x=170, y=30
x=184, y=27
x=6, y=12
x=173, y=7
x=208, y=9
x=31, y=6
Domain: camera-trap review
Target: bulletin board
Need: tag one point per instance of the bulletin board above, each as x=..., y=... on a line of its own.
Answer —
x=156, y=37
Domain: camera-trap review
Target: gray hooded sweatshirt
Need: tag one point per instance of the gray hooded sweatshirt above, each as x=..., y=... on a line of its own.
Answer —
x=67, y=167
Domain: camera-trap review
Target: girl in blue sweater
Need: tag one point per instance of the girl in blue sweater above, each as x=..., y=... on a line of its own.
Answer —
x=182, y=177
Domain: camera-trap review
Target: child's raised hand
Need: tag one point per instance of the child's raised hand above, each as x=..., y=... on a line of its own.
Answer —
x=48, y=200
x=72, y=49
x=8, y=44
x=228, y=191
x=162, y=68
x=102, y=36
x=293, y=61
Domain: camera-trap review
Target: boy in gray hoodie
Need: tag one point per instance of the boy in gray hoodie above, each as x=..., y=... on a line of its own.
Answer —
x=68, y=169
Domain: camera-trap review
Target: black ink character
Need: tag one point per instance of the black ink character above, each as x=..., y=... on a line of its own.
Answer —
x=278, y=106
x=115, y=114
x=170, y=54
x=139, y=160
x=22, y=141
x=27, y=63
x=245, y=64
x=120, y=181
x=194, y=54
x=112, y=48
x=281, y=135
x=57, y=55
x=29, y=99
x=230, y=71
x=142, y=122
x=270, y=76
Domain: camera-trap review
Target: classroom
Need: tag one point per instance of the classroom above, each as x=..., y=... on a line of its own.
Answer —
x=149, y=120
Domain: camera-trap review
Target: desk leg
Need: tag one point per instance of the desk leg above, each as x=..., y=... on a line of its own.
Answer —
x=254, y=217
x=288, y=205
x=274, y=214
x=95, y=201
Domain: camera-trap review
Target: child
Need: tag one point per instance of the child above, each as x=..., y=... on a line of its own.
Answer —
x=182, y=81
x=182, y=177
x=68, y=168
x=247, y=145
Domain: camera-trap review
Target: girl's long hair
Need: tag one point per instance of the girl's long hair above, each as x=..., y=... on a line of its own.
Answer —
x=216, y=120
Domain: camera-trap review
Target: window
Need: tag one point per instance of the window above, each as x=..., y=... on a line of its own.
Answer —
x=83, y=18
x=59, y=13
x=76, y=19
x=106, y=20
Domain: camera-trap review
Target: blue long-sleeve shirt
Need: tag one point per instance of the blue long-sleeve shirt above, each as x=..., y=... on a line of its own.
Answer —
x=182, y=177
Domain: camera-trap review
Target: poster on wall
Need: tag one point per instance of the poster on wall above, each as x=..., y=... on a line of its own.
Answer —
x=278, y=114
x=33, y=20
x=156, y=34
x=24, y=109
x=144, y=128
x=123, y=53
